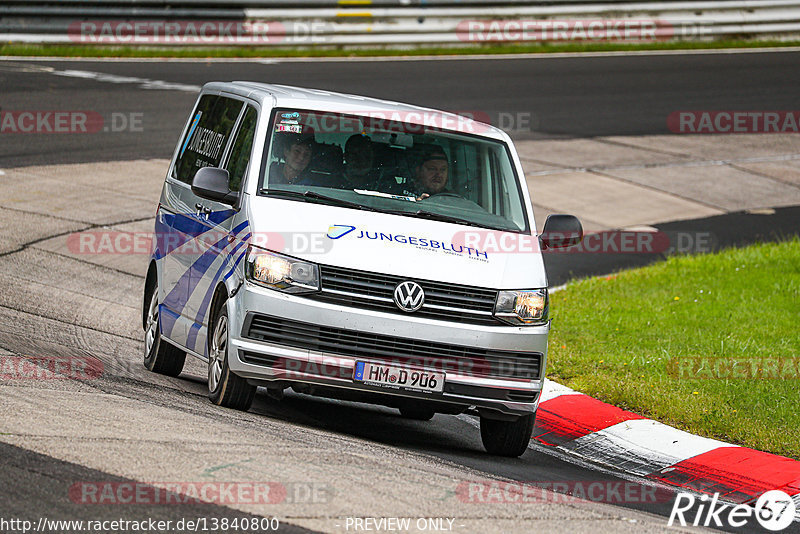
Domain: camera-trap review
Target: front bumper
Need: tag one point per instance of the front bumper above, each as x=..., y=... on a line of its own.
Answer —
x=288, y=360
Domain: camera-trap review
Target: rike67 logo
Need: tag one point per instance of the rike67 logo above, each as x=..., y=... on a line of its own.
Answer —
x=774, y=510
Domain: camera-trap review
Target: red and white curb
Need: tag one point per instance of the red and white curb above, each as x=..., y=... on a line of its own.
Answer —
x=604, y=434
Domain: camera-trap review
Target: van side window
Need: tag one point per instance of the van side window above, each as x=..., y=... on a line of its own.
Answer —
x=242, y=148
x=208, y=135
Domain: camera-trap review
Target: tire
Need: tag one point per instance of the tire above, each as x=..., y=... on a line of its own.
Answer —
x=418, y=413
x=507, y=438
x=159, y=356
x=225, y=388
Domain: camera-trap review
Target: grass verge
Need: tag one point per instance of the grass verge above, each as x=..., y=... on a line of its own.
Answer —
x=709, y=344
x=70, y=50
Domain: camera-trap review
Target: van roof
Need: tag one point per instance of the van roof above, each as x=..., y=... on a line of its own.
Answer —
x=286, y=96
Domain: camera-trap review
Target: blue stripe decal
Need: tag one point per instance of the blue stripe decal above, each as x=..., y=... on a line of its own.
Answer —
x=235, y=264
x=178, y=229
x=207, y=300
x=241, y=227
x=218, y=217
x=180, y=294
x=184, y=229
x=192, y=339
x=167, y=319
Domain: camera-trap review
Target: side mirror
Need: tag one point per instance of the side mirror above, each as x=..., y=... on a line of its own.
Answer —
x=212, y=183
x=561, y=231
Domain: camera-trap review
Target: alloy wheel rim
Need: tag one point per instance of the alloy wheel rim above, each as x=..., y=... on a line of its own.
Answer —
x=219, y=346
x=152, y=323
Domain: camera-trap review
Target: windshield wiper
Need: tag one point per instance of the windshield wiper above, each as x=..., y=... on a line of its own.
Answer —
x=449, y=218
x=423, y=214
x=316, y=196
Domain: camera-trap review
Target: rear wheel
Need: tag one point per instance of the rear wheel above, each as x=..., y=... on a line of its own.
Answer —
x=159, y=356
x=507, y=438
x=224, y=387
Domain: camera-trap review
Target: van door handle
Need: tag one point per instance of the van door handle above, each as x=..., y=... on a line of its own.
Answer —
x=200, y=209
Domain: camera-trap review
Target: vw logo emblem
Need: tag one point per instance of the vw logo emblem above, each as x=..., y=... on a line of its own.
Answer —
x=409, y=296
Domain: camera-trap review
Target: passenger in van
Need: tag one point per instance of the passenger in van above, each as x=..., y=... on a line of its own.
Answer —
x=296, y=156
x=431, y=173
x=326, y=168
x=359, y=158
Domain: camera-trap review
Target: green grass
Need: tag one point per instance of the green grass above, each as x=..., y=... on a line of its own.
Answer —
x=614, y=337
x=70, y=50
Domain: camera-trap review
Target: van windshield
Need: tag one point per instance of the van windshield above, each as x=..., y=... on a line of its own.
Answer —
x=379, y=162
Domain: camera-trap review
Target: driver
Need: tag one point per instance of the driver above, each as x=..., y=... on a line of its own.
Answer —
x=431, y=173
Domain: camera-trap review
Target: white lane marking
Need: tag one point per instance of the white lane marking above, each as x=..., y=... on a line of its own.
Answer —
x=641, y=446
x=551, y=55
x=2, y=173
x=144, y=83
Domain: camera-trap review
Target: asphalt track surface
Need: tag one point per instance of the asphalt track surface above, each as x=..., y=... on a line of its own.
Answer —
x=551, y=97
x=570, y=97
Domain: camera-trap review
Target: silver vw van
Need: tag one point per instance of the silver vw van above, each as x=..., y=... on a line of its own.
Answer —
x=356, y=248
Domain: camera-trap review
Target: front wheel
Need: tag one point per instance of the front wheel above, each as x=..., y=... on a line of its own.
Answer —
x=159, y=356
x=507, y=438
x=224, y=387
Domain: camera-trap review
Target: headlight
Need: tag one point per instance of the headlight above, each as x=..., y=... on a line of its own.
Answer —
x=280, y=272
x=522, y=307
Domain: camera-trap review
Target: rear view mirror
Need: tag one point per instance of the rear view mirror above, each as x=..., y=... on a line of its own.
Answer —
x=213, y=184
x=561, y=231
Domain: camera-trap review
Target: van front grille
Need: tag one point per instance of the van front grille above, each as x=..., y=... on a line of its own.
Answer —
x=446, y=302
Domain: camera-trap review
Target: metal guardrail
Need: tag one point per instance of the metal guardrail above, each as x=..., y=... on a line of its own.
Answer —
x=243, y=4
x=390, y=22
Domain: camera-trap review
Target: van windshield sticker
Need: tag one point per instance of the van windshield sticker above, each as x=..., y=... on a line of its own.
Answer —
x=289, y=123
x=191, y=132
x=290, y=128
x=207, y=143
x=384, y=195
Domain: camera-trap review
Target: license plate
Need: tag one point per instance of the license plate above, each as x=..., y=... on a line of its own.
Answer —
x=390, y=376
